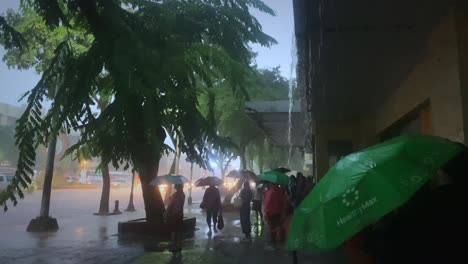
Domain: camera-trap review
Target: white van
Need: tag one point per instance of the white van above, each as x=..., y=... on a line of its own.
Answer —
x=5, y=179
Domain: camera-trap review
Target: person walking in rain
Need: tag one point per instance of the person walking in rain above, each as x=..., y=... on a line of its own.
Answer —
x=275, y=201
x=300, y=188
x=175, y=215
x=246, y=196
x=212, y=204
x=257, y=203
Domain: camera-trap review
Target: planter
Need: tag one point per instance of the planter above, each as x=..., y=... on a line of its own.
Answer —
x=141, y=227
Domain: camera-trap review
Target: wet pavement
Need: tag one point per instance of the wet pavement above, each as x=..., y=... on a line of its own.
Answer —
x=85, y=238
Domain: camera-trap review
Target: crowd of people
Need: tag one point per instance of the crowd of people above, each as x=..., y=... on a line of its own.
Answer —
x=270, y=202
x=430, y=227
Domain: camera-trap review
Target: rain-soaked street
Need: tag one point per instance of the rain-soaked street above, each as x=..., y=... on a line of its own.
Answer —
x=85, y=238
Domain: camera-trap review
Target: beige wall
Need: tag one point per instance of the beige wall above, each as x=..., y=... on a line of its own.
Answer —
x=435, y=78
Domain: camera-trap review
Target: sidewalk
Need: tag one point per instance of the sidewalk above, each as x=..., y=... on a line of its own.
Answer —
x=85, y=238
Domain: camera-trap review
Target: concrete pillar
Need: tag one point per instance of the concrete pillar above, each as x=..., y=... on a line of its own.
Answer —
x=321, y=149
x=461, y=14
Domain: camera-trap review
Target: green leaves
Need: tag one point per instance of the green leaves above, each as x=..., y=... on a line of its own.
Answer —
x=32, y=129
x=9, y=37
x=41, y=39
x=146, y=61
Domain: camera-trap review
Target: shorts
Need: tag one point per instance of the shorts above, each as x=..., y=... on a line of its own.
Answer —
x=257, y=205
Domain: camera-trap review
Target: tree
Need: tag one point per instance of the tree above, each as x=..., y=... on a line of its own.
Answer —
x=155, y=53
x=232, y=121
x=268, y=85
x=10, y=37
x=223, y=158
x=42, y=41
x=102, y=102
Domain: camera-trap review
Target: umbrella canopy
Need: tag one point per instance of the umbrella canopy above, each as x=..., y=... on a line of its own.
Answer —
x=169, y=179
x=242, y=174
x=275, y=177
x=363, y=187
x=282, y=169
x=208, y=181
x=291, y=173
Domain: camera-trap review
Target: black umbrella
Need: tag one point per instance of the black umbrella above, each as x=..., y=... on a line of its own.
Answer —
x=242, y=174
x=208, y=181
x=282, y=169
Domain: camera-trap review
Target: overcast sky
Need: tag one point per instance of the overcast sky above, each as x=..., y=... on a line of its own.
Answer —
x=14, y=83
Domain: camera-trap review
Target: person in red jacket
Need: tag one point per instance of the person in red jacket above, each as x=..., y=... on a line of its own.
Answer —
x=274, y=208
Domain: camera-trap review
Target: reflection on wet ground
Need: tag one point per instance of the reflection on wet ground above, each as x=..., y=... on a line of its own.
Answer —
x=85, y=238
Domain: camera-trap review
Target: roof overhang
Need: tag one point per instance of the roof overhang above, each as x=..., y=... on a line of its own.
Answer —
x=273, y=118
x=361, y=51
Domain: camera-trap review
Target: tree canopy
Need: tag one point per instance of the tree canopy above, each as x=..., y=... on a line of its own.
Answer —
x=231, y=119
x=154, y=55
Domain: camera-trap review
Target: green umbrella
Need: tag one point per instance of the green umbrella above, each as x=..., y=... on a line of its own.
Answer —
x=275, y=176
x=363, y=187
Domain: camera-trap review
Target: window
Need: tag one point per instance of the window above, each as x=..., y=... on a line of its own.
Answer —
x=1, y=178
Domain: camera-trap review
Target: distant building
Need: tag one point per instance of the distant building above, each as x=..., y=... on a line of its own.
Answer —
x=9, y=114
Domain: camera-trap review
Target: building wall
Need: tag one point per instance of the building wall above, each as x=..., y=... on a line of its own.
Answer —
x=325, y=132
x=435, y=78
x=9, y=114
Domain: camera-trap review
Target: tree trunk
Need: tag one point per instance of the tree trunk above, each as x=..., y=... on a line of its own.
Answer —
x=154, y=206
x=105, y=194
x=131, y=207
x=260, y=163
x=238, y=186
x=168, y=194
x=190, y=188
x=243, y=161
x=174, y=170
x=232, y=191
x=223, y=174
x=49, y=173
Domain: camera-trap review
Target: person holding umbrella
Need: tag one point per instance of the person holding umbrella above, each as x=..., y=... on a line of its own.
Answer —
x=257, y=203
x=175, y=215
x=211, y=202
x=274, y=208
x=365, y=187
x=246, y=196
x=175, y=208
x=275, y=203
